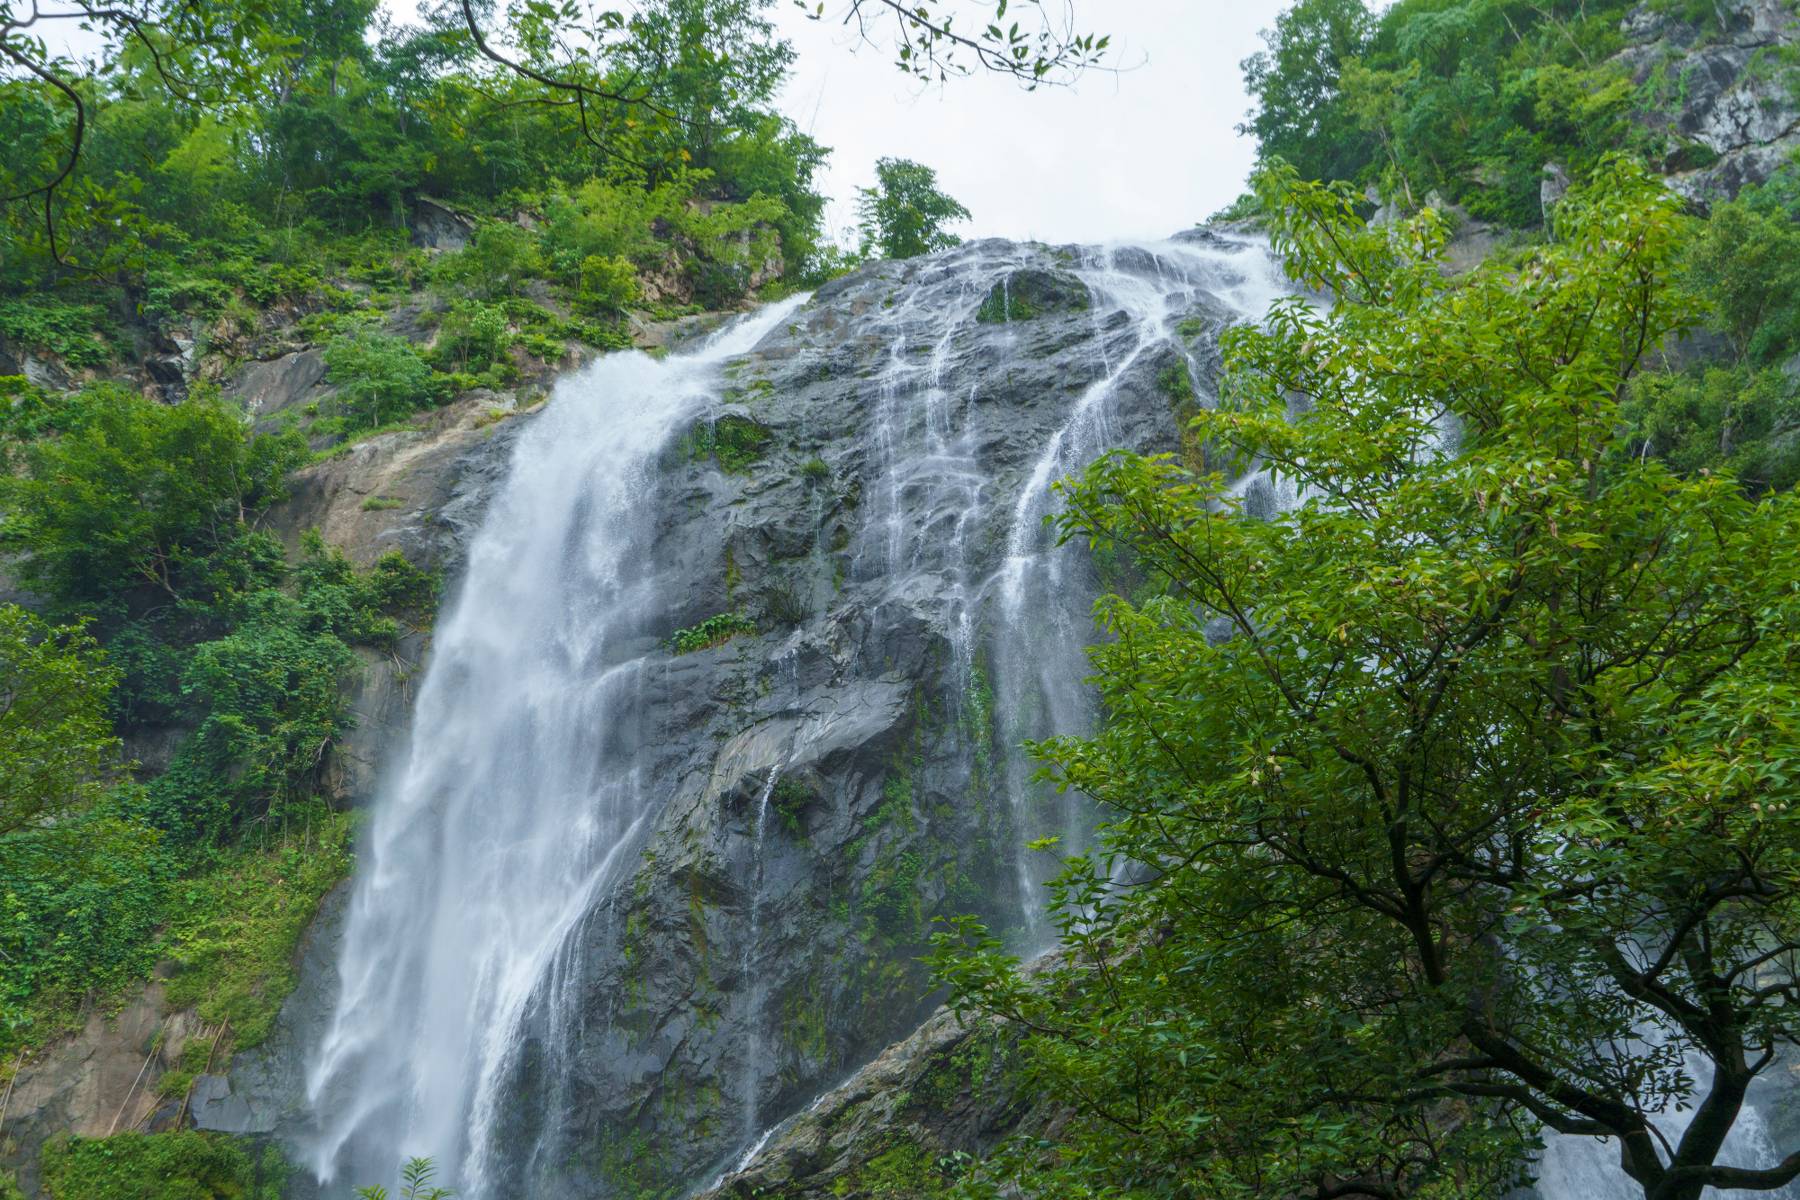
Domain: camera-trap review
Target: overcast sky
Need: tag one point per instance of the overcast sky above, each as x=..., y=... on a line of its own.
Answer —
x=1143, y=153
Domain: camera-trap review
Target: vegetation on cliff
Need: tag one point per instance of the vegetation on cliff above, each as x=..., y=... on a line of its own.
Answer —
x=138, y=520
x=1485, y=110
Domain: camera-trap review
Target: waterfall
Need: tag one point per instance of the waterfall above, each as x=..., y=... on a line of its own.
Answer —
x=518, y=800
x=486, y=1008
x=1043, y=604
x=617, y=910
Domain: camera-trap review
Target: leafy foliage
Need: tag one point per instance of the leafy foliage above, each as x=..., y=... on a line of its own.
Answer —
x=80, y=905
x=1464, y=101
x=904, y=214
x=1477, y=819
x=1736, y=407
x=141, y=513
x=415, y=1184
x=1469, y=98
x=56, y=743
x=290, y=182
x=233, y=929
x=379, y=378
x=716, y=630
x=181, y=1165
x=136, y=494
x=736, y=443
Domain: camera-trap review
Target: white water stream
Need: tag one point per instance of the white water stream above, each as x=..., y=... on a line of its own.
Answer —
x=518, y=801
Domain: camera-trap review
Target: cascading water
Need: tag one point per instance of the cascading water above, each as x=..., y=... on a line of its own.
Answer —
x=580, y=939
x=518, y=800
x=1043, y=607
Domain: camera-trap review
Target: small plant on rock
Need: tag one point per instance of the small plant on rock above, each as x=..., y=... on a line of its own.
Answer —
x=714, y=631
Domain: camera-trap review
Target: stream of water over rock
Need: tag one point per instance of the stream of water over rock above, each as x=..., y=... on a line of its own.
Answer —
x=519, y=799
x=619, y=909
x=935, y=624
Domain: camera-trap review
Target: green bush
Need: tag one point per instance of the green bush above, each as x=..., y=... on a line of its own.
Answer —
x=473, y=336
x=496, y=262
x=736, y=443
x=72, y=332
x=608, y=284
x=80, y=905
x=604, y=220
x=137, y=494
x=379, y=377
x=714, y=631
x=183, y=1165
x=56, y=743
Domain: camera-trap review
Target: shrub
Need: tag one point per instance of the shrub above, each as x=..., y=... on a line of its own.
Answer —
x=498, y=259
x=69, y=331
x=608, y=284
x=138, y=494
x=473, y=335
x=380, y=378
x=735, y=442
x=179, y=1165
x=714, y=631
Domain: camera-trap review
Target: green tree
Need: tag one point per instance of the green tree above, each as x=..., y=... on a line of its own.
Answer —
x=379, y=378
x=1738, y=407
x=1299, y=114
x=904, y=214
x=334, y=115
x=56, y=742
x=496, y=262
x=711, y=66
x=137, y=494
x=1456, y=802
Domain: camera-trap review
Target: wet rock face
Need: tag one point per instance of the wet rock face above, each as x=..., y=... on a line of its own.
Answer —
x=953, y=1087
x=841, y=781
x=864, y=496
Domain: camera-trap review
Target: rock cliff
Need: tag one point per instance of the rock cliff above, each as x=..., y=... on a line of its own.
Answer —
x=864, y=494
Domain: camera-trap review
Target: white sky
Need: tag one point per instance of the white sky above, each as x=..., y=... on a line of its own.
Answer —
x=1143, y=153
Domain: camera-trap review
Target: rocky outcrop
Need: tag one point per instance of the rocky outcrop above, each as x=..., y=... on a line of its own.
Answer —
x=770, y=940
x=419, y=490
x=1727, y=95
x=100, y=1081
x=950, y=1092
x=266, y=390
x=436, y=225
